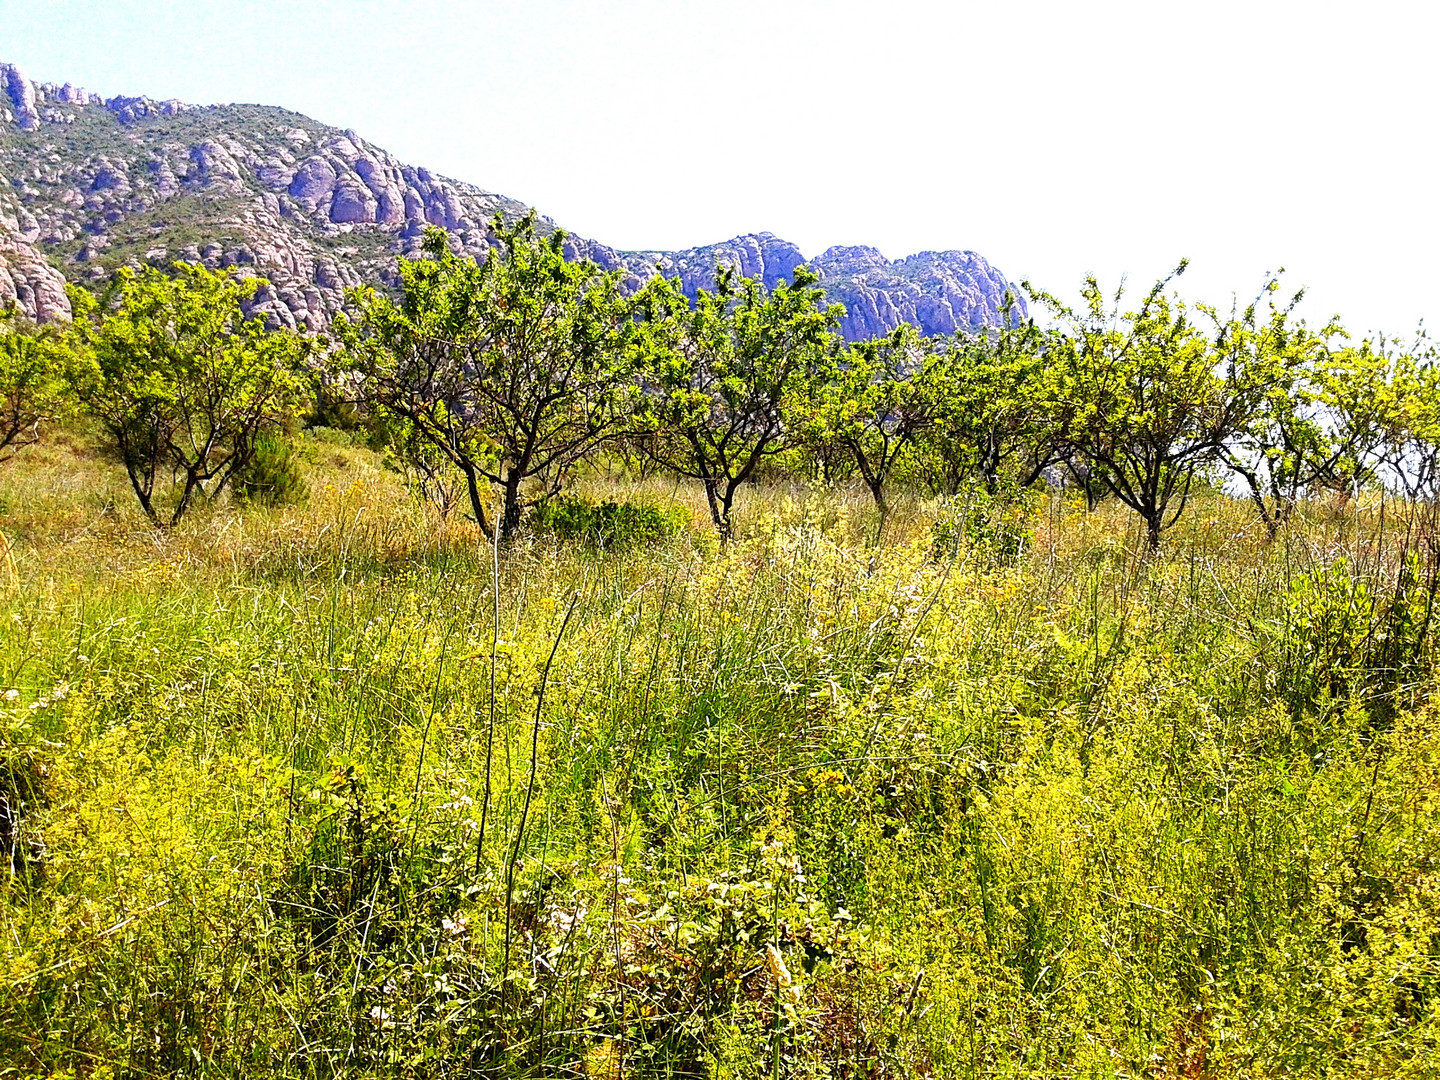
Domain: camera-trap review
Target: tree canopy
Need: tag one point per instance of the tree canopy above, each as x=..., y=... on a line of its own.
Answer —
x=720, y=374
x=513, y=367
x=180, y=380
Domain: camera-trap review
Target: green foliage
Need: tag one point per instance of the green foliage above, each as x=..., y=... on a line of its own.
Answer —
x=721, y=375
x=1342, y=640
x=884, y=395
x=994, y=528
x=513, y=369
x=997, y=420
x=34, y=389
x=1142, y=396
x=1316, y=416
x=1398, y=400
x=272, y=476
x=608, y=524
x=800, y=806
x=181, y=381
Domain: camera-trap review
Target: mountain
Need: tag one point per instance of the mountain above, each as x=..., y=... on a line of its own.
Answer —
x=88, y=185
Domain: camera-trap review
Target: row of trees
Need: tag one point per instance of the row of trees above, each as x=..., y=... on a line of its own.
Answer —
x=508, y=373
x=517, y=368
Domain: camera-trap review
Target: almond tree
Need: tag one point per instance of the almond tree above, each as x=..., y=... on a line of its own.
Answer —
x=1317, y=410
x=885, y=393
x=994, y=420
x=720, y=375
x=181, y=381
x=1145, y=396
x=33, y=386
x=1408, y=443
x=514, y=367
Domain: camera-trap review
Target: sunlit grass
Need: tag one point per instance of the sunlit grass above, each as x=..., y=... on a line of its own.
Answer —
x=802, y=806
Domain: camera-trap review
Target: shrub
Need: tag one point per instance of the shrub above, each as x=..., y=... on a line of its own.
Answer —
x=994, y=528
x=333, y=436
x=1344, y=637
x=608, y=524
x=272, y=476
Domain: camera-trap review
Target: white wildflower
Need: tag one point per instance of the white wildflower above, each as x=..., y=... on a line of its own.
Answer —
x=566, y=921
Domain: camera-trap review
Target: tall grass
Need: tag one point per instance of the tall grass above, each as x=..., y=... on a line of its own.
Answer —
x=1007, y=796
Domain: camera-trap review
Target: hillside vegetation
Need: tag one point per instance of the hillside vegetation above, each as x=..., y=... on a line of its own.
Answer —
x=94, y=185
x=536, y=679
x=1006, y=797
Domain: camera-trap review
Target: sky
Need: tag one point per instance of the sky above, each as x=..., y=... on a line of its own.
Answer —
x=1058, y=138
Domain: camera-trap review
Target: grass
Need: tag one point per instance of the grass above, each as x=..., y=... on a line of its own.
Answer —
x=798, y=807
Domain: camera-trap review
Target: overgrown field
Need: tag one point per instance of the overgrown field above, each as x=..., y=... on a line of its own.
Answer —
x=338, y=791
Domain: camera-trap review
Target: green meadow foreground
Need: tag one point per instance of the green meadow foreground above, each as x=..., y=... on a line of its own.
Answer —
x=302, y=792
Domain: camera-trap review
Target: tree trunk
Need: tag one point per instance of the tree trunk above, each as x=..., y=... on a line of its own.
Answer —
x=472, y=486
x=184, y=503
x=721, y=518
x=511, y=520
x=144, y=496
x=142, y=477
x=727, y=500
x=882, y=508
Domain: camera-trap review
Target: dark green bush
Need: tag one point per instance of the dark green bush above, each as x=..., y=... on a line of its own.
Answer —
x=995, y=528
x=1344, y=637
x=272, y=477
x=608, y=524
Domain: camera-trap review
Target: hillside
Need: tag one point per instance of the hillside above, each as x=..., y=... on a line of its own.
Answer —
x=90, y=185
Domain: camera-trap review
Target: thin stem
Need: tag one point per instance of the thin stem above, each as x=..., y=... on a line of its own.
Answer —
x=530, y=786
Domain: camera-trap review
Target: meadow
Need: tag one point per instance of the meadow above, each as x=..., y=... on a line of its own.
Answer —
x=347, y=789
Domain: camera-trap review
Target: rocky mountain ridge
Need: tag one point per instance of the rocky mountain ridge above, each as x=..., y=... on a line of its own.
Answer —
x=87, y=185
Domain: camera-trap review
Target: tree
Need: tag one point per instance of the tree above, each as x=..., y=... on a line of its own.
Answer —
x=1408, y=443
x=886, y=392
x=720, y=375
x=181, y=381
x=1315, y=417
x=514, y=368
x=992, y=422
x=1140, y=395
x=33, y=385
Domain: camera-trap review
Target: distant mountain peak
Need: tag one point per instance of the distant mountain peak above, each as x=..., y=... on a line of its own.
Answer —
x=94, y=184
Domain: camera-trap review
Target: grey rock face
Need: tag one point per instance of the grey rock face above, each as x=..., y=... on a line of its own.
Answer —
x=23, y=97
x=27, y=279
x=938, y=291
x=315, y=211
x=131, y=109
x=313, y=181
x=760, y=255
x=69, y=95
x=840, y=261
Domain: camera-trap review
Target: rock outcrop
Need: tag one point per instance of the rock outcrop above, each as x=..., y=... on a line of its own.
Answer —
x=759, y=255
x=21, y=107
x=938, y=291
x=941, y=292
x=28, y=281
x=315, y=210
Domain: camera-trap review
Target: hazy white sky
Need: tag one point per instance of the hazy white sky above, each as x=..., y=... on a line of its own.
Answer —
x=1056, y=138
